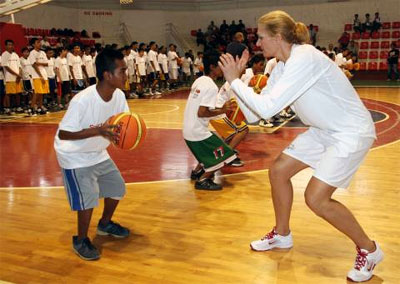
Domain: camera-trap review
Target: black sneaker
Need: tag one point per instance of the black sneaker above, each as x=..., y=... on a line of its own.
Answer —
x=84, y=249
x=196, y=175
x=236, y=163
x=207, y=184
x=112, y=229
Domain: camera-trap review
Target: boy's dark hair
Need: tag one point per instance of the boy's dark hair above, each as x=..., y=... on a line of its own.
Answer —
x=211, y=57
x=134, y=42
x=23, y=49
x=235, y=49
x=76, y=44
x=199, y=52
x=256, y=59
x=48, y=49
x=105, y=61
x=33, y=40
x=8, y=41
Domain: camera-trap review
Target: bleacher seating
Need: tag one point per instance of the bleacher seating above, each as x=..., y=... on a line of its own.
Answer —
x=30, y=32
x=374, y=47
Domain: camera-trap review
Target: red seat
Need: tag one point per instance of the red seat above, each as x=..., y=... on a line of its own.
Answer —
x=193, y=32
x=375, y=44
x=386, y=25
x=384, y=54
x=396, y=34
x=249, y=30
x=365, y=36
x=372, y=66
x=373, y=55
x=362, y=55
x=355, y=36
x=348, y=27
x=363, y=66
x=383, y=65
x=316, y=28
x=385, y=44
x=376, y=35
x=364, y=45
x=396, y=25
x=385, y=35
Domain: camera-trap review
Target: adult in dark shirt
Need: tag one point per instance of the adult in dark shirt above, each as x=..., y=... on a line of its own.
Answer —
x=393, y=61
x=200, y=37
x=376, y=24
x=232, y=28
x=357, y=24
x=224, y=27
x=241, y=27
x=367, y=23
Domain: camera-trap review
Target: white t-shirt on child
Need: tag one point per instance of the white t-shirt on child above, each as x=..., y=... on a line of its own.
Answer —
x=63, y=68
x=76, y=63
x=203, y=93
x=39, y=57
x=87, y=60
x=86, y=110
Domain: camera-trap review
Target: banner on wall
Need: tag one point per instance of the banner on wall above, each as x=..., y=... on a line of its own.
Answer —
x=97, y=13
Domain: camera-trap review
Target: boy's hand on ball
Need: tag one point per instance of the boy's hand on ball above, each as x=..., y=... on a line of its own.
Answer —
x=230, y=105
x=106, y=130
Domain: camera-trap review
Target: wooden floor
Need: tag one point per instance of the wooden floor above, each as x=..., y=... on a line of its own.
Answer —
x=185, y=236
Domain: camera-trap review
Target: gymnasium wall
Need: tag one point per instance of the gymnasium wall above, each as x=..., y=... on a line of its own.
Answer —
x=150, y=25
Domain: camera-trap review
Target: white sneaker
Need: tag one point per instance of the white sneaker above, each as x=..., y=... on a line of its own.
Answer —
x=364, y=264
x=272, y=240
x=157, y=93
x=266, y=123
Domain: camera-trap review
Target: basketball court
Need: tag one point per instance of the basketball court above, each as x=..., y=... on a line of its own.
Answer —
x=180, y=235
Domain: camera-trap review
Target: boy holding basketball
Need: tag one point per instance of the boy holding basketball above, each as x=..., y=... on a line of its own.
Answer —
x=210, y=151
x=81, y=142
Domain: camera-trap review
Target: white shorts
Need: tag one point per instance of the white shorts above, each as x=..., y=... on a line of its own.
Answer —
x=334, y=161
x=173, y=73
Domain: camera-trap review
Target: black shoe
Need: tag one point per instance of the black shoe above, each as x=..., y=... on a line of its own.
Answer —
x=236, y=163
x=196, y=175
x=207, y=184
x=84, y=249
x=112, y=229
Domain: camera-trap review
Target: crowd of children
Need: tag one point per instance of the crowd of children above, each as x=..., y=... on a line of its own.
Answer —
x=45, y=78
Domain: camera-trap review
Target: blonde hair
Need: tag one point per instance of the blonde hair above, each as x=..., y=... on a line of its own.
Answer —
x=280, y=22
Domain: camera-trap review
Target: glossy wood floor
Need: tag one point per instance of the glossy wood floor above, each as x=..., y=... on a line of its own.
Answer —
x=185, y=236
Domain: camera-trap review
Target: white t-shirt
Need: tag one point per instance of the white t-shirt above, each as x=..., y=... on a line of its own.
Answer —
x=173, y=64
x=246, y=77
x=87, y=60
x=76, y=63
x=63, y=68
x=87, y=109
x=187, y=62
x=317, y=90
x=131, y=64
x=270, y=66
x=203, y=93
x=10, y=60
x=163, y=60
x=141, y=65
x=26, y=68
x=50, y=68
x=152, y=56
x=197, y=63
x=340, y=60
x=40, y=57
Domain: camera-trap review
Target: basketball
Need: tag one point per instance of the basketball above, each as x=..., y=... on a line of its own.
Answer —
x=201, y=68
x=356, y=66
x=131, y=129
x=236, y=115
x=258, y=82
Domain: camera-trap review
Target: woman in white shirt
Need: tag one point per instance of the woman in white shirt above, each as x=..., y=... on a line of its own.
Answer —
x=317, y=89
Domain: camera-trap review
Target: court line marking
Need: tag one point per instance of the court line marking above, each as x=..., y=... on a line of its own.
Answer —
x=168, y=180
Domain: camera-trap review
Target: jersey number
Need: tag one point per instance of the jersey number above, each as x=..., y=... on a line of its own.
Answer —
x=219, y=152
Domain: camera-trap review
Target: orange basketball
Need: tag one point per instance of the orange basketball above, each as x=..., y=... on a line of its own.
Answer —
x=356, y=66
x=236, y=115
x=131, y=129
x=258, y=82
x=201, y=68
x=350, y=66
